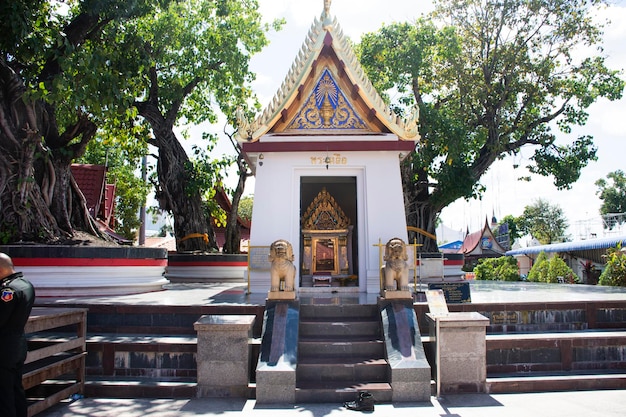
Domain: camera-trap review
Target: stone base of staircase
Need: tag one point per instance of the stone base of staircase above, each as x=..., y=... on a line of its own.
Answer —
x=117, y=387
x=565, y=381
x=338, y=392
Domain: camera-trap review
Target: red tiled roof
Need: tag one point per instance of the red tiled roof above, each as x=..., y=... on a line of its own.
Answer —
x=470, y=242
x=107, y=208
x=91, y=180
x=224, y=202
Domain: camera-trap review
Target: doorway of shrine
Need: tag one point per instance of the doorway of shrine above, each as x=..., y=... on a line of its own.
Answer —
x=328, y=228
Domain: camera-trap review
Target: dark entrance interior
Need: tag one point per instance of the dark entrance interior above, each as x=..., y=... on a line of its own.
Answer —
x=343, y=190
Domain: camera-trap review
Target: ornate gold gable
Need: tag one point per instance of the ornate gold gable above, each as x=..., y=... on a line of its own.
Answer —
x=324, y=214
x=327, y=108
x=326, y=60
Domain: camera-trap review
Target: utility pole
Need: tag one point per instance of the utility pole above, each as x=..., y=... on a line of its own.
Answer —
x=142, y=211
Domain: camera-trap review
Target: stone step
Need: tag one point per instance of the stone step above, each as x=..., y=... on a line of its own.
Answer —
x=342, y=369
x=155, y=319
x=341, y=352
x=339, y=346
x=118, y=387
x=339, y=392
x=557, y=381
x=339, y=327
x=343, y=311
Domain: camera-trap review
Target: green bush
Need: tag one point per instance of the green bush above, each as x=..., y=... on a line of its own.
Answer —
x=558, y=268
x=614, y=273
x=539, y=269
x=549, y=270
x=497, y=269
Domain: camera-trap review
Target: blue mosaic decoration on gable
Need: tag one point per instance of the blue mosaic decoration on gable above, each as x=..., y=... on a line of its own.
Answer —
x=327, y=108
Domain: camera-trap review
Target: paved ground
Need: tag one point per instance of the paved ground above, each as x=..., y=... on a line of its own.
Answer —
x=497, y=292
x=566, y=404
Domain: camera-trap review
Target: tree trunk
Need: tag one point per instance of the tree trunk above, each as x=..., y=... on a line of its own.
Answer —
x=425, y=219
x=233, y=231
x=420, y=212
x=39, y=199
x=23, y=205
x=192, y=228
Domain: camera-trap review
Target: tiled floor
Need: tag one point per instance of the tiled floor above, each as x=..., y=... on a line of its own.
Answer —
x=236, y=294
x=557, y=404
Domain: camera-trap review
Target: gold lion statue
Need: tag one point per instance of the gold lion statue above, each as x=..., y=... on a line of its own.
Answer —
x=282, y=268
x=396, y=270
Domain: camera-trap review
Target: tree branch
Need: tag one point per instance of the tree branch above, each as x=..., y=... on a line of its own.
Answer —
x=85, y=26
x=172, y=113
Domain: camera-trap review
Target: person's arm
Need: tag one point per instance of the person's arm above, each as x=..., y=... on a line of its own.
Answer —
x=7, y=305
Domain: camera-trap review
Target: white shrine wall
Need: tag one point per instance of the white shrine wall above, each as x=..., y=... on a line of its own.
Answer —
x=380, y=204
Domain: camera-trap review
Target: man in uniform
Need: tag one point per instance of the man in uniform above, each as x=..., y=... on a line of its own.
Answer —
x=17, y=296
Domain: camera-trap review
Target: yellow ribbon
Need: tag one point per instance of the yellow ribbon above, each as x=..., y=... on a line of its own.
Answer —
x=204, y=236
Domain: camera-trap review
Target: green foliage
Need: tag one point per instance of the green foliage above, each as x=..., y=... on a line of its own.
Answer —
x=539, y=270
x=245, y=207
x=513, y=224
x=491, y=78
x=96, y=60
x=613, y=196
x=503, y=268
x=192, y=60
x=199, y=52
x=204, y=172
x=558, y=269
x=165, y=230
x=59, y=58
x=123, y=162
x=543, y=221
x=551, y=270
x=614, y=273
x=68, y=56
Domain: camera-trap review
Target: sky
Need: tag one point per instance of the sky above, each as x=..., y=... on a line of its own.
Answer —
x=505, y=195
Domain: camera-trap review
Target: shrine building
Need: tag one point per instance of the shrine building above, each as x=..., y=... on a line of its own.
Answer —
x=326, y=155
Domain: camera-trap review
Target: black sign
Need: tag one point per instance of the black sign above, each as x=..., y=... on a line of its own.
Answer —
x=454, y=292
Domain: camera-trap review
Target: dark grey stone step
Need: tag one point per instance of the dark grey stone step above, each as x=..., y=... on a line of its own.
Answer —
x=339, y=393
x=348, y=370
x=339, y=346
x=343, y=311
x=341, y=352
x=558, y=381
x=139, y=388
x=334, y=327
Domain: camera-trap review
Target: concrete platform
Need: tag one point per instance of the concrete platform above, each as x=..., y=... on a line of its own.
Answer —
x=228, y=293
x=512, y=307
x=570, y=404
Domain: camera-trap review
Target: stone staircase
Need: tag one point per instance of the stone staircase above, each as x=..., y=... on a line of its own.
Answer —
x=149, y=350
x=547, y=347
x=341, y=351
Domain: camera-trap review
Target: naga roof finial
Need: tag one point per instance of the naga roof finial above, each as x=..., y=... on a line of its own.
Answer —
x=327, y=8
x=326, y=20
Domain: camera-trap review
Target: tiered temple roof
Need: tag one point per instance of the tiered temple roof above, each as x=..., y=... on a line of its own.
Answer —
x=326, y=92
